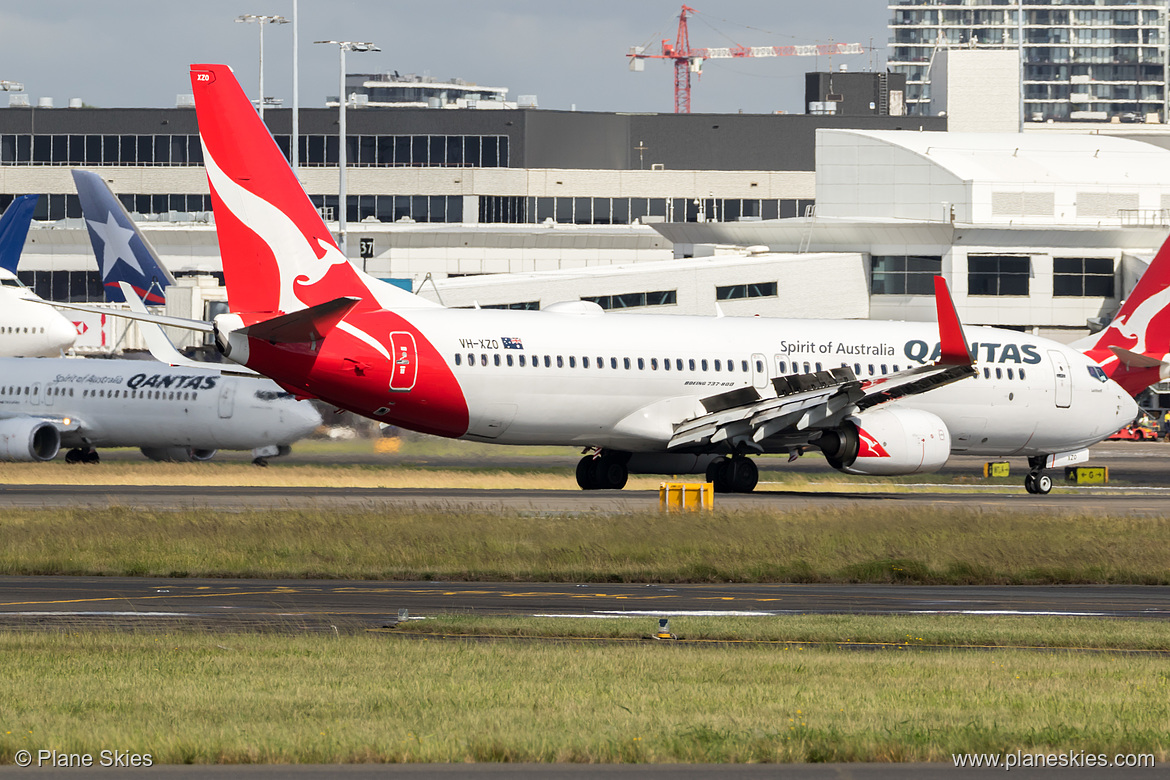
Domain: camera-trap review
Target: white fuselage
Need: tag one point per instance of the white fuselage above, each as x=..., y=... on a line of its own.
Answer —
x=140, y=403
x=29, y=329
x=602, y=379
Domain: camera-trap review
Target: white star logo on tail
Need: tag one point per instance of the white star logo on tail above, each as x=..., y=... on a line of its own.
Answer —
x=115, y=244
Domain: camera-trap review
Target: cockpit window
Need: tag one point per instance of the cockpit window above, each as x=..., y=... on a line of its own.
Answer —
x=12, y=283
x=1098, y=373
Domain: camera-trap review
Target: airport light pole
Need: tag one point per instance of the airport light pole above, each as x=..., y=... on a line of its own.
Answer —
x=261, y=20
x=343, y=47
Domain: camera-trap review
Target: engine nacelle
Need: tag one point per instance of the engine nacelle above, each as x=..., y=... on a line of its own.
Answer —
x=26, y=438
x=178, y=454
x=888, y=442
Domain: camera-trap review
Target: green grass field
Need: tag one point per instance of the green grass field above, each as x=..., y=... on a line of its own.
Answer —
x=193, y=698
x=814, y=545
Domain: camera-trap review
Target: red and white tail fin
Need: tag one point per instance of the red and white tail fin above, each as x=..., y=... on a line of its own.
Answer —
x=1133, y=349
x=278, y=256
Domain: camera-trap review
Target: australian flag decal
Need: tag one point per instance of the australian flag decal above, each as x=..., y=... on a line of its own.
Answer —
x=511, y=343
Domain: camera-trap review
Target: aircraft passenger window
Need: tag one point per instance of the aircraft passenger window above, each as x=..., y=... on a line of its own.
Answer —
x=730, y=366
x=703, y=364
x=572, y=361
x=101, y=393
x=1021, y=373
x=508, y=358
x=653, y=364
x=194, y=396
x=783, y=367
x=496, y=360
x=819, y=368
x=807, y=368
x=613, y=363
x=870, y=369
x=691, y=364
x=760, y=366
x=547, y=362
x=584, y=361
x=483, y=359
x=717, y=365
x=884, y=372
x=896, y=369
x=521, y=361
x=601, y=362
x=999, y=373
x=678, y=364
x=987, y=373
x=71, y=392
x=560, y=362
x=1010, y=374
x=626, y=363
x=458, y=359
x=666, y=364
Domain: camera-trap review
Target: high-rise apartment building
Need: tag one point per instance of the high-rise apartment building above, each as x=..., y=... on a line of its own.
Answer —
x=1082, y=59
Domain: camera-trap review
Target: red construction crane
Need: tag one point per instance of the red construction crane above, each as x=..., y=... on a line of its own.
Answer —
x=688, y=60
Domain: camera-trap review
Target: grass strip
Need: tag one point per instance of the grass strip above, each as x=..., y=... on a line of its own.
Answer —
x=821, y=545
x=900, y=631
x=195, y=698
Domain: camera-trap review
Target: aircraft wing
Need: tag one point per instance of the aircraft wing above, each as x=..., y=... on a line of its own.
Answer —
x=804, y=403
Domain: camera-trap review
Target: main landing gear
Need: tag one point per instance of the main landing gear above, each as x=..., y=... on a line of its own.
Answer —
x=737, y=474
x=1036, y=481
x=80, y=455
x=606, y=471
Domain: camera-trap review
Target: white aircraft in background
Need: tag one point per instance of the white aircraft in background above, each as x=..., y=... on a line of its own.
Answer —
x=177, y=414
x=26, y=329
x=645, y=393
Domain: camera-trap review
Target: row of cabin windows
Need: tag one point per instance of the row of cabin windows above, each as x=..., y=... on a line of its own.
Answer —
x=691, y=364
x=9, y=330
x=158, y=395
x=54, y=391
x=668, y=364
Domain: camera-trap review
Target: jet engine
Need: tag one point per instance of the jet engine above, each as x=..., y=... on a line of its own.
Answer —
x=887, y=442
x=27, y=438
x=178, y=454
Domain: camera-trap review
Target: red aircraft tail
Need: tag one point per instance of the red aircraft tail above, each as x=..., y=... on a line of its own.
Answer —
x=278, y=256
x=1133, y=349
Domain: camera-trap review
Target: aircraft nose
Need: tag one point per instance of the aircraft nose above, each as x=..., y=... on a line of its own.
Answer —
x=303, y=417
x=62, y=334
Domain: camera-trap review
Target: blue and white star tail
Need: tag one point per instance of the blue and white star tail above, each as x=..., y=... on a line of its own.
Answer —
x=123, y=253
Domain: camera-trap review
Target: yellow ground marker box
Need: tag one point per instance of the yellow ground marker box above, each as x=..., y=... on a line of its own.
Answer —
x=686, y=496
x=1000, y=469
x=1087, y=475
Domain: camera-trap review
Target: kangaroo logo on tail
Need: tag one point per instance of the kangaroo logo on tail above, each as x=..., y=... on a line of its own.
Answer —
x=1134, y=347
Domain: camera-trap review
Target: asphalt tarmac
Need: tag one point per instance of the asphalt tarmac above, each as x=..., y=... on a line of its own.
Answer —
x=55, y=602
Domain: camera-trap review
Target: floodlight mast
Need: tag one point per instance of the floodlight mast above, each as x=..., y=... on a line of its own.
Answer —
x=261, y=20
x=342, y=48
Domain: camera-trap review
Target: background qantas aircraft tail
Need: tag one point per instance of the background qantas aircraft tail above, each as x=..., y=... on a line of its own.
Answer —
x=278, y=256
x=123, y=253
x=1133, y=349
x=14, y=229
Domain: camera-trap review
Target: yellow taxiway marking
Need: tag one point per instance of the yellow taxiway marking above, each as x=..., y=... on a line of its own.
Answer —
x=147, y=598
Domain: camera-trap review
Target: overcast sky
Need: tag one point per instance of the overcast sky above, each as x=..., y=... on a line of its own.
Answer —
x=128, y=53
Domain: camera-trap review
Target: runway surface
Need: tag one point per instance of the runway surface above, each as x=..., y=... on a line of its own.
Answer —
x=355, y=605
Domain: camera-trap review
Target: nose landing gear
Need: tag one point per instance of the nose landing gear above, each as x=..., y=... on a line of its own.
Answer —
x=1036, y=481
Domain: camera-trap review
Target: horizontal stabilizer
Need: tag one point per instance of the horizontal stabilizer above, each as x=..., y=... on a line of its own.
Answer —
x=163, y=350
x=160, y=319
x=1136, y=360
x=305, y=326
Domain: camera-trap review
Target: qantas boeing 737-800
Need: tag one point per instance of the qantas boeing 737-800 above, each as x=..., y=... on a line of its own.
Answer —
x=650, y=394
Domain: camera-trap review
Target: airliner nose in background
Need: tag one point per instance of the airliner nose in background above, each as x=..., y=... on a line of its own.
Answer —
x=653, y=394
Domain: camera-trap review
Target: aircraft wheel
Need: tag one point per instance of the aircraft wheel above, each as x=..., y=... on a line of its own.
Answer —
x=1030, y=482
x=744, y=475
x=720, y=474
x=587, y=473
x=1043, y=484
x=74, y=455
x=610, y=473
x=260, y=461
x=90, y=456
